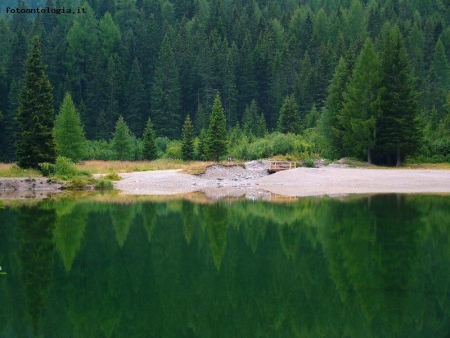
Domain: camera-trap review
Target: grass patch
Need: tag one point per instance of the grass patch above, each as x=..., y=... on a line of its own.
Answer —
x=430, y=166
x=104, y=185
x=113, y=177
x=101, y=167
x=13, y=170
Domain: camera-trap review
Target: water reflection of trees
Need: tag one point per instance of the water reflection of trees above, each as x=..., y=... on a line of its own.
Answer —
x=376, y=266
x=36, y=227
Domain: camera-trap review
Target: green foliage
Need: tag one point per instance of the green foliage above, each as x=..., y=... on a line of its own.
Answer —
x=289, y=119
x=216, y=139
x=174, y=150
x=113, y=177
x=35, y=143
x=166, y=92
x=161, y=145
x=68, y=132
x=398, y=134
x=149, y=151
x=271, y=145
x=100, y=150
x=63, y=168
x=330, y=125
x=362, y=103
x=104, y=185
x=122, y=141
x=187, y=147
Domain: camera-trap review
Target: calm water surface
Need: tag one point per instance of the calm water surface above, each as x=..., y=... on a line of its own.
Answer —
x=363, y=267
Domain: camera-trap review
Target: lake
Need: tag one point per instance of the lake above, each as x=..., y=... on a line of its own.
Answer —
x=360, y=266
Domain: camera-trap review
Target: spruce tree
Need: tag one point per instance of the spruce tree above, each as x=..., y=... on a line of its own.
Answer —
x=165, y=92
x=289, y=118
x=122, y=141
x=362, y=103
x=216, y=139
x=397, y=129
x=329, y=123
x=35, y=143
x=68, y=131
x=187, y=147
x=149, y=151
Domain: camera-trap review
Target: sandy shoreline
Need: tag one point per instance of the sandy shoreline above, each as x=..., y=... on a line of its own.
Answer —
x=253, y=181
x=220, y=183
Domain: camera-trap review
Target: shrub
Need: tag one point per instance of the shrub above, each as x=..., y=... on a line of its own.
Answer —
x=174, y=150
x=47, y=169
x=114, y=177
x=309, y=163
x=64, y=167
x=104, y=185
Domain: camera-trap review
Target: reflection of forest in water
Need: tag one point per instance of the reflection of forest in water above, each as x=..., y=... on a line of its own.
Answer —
x=367, y=267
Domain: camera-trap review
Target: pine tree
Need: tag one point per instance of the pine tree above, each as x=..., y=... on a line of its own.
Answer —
x=330, y=125
x=149, y=151
x=68, y=131
x=165, y=93
x=122, y=141
x=289, y=118
x=35, y=143
x=440, y=66
x=397, y=129
x=187, y=147
x=136, y=100
x=216, y=139
x=362, y=103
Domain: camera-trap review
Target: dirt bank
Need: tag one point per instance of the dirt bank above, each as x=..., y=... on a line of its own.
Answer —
x=253, y=181
x=16, y=188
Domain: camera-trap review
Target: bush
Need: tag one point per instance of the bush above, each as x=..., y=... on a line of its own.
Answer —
x=309, y=163
x=63, y=168
x=104, y=185
x=161, y=144
x=100, y=150
x=47, y=169
x=113, y=177
x=173, y=150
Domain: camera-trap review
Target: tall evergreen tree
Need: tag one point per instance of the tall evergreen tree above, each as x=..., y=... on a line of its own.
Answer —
x=165, y=93
x=397, y=129
x=289, y=119
x=362, y=103
x=216, y=139
x=330, y=125
x=68, y=131
x=149, y=151
x=135, y=112
x=35, y=143
x=122, y=141
x=187, y=147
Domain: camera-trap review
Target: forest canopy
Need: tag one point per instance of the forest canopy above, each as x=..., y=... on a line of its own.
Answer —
x=165, y=60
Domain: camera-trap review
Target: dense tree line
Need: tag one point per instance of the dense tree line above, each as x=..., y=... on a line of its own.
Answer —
x=165, y=60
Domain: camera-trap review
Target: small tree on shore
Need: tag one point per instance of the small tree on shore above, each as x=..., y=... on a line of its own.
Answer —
x=216, y=139
x=122, y=141
x=187, y=147
x=149, y=151
x=68, y=131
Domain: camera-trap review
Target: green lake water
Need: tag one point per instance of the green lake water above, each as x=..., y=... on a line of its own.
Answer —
x=374, y=266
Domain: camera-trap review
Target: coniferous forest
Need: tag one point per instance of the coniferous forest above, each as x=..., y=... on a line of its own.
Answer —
x=142, y=79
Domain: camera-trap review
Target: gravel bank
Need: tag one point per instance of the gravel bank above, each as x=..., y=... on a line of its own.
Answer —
x=254, y=182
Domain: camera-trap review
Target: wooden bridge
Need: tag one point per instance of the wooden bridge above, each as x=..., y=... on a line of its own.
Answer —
x=275, y=166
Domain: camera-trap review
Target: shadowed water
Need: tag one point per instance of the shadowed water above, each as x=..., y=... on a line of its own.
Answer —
x=362, y=267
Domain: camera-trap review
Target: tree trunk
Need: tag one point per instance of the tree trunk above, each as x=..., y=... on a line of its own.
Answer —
x=399, y=159
x=369, y=156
